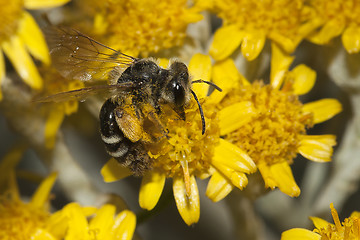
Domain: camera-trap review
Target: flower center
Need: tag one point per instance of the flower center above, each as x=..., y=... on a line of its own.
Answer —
x=186, y=150
x=347, y=10
x=10, y=12
x=282, y=17
x=273, y=134
x=145, y=26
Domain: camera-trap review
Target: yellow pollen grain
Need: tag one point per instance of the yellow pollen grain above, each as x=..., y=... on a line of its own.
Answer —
x=186, y=151
x=283, y=17
x=10, y=12
x=273, y=135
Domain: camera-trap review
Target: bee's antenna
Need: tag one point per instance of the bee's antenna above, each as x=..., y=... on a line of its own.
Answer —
x=198, y=103
x=201, y=112
x=207, y=82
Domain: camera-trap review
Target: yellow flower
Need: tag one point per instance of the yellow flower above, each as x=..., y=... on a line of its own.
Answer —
x=186, y=154
x=33, y=220
x=348, y=230
x=102, y=226
x=274, y=131
x=20, y=220
x=141, y=27
x=250, y=23
x=20, y=35
x=56, y=111
x=338, y=18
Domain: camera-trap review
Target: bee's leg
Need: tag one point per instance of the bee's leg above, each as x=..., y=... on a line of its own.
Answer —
x=129, y=123
x=154, y=118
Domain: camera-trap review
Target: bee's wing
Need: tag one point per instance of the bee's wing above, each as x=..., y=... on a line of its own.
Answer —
x=77, y=56
x=83, y=93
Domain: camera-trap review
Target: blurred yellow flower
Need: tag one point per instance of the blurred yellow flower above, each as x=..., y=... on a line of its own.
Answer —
x=20, y=35
x=141, y=27
x=274, y=131
x=348, y=230
x=251, y=23
x=33, y=220
x=102, y=226
x=337, y=18
x=185, y=154
x=56, y=111
x=20, y=220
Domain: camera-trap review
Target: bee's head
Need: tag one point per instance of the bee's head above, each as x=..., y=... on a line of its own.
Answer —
x=177, y=89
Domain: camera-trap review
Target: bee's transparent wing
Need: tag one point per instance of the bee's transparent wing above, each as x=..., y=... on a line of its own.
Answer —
x=77, y=56
x=83, y=93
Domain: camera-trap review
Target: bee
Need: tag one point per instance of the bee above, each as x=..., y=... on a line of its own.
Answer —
x=137, y=90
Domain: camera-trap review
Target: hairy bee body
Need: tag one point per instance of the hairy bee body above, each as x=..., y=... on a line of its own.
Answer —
x=131, y=117
x=122, y=117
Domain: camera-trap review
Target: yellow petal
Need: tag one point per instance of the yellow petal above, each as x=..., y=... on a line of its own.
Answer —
x=287, y=44
x=52, y=125
x=267, y=175
x=226, y=40
x=228, y=154
x=113, y=171
x=335, y=217
x=9, y=162
x=239, y=180
x=34, y=40
x=200, y=68
x=323, y=109
x=252, y=45
x=355, y=214
x=319, y=223
x=77, y=223
x=2, y=71
x=236, y=178
x=41, y=234
x=152, y=185
x=317, y=148
x=41, y=196
x=304, y=79
x=38, y=4
x=218, y=187
x=188, y=206
x=235, y=116
x=330, y=30
x=164, y=62
x=280, y=63
x=19, y=57
x=89, y=210
x=124, y=227
x=299, y=234
x=58, y=223
x=351, y=39
x=282, y=174
x=226, y=76
x=103, y=221
x=12, y=187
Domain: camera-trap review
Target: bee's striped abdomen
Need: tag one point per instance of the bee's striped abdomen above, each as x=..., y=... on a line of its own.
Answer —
x=127, y=153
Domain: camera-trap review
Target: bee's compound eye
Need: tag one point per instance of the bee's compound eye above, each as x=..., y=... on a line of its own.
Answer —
x=179, y=94
x=108, y=124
